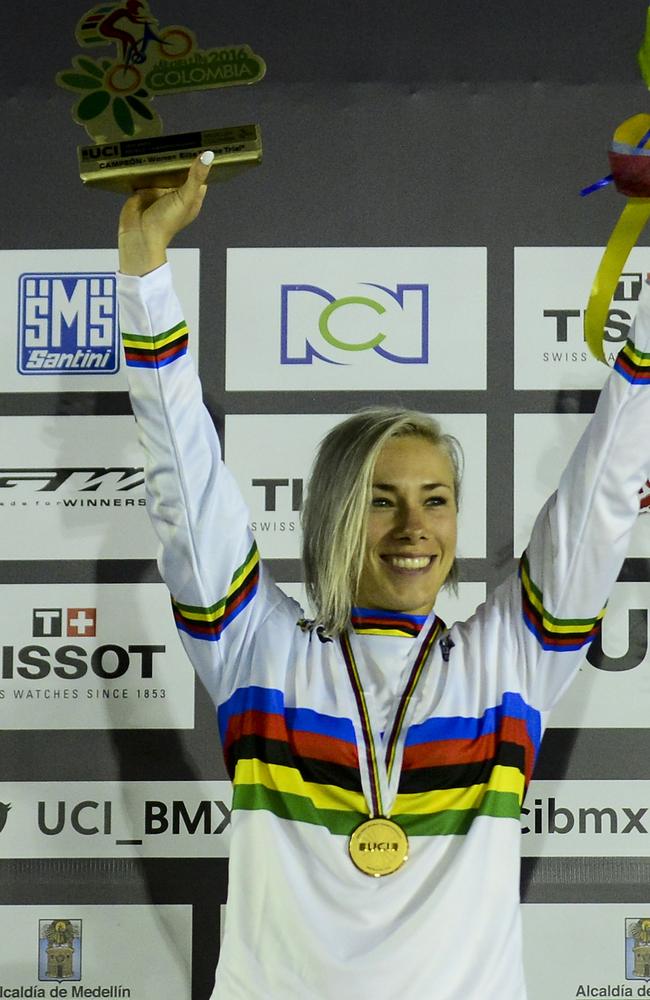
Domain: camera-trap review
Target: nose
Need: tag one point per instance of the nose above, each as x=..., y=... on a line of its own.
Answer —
x=410, y=525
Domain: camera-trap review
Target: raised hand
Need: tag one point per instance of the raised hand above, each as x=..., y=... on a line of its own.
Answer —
x=151, y=218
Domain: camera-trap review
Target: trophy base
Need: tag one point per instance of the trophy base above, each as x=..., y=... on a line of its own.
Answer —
x=162, y=161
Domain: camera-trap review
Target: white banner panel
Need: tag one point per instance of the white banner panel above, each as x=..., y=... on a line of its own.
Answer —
x=135, y=952
x=586, y=819
x=574, y=950
x=180, y=819
x=73, y=488
x=552, y=287
x=270, y=456
x=538, y=468
x=59, y=317
x=613, y=690
x=356, y=318
x=111, y=819
x=451, y=608
x=78, y=656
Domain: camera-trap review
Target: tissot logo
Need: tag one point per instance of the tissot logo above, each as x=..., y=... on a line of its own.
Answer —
x=283, y=493
x=282, y=497
x=49, y=622
x=552, y=289
x=67, y=324
x=629, y=288
x=70, y=662
x=568, y=324
x=317, y=325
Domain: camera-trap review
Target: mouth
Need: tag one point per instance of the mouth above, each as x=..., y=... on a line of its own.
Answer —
x=409, y=564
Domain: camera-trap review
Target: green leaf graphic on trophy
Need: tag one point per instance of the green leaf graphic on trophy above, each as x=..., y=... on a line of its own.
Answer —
x=115, y=95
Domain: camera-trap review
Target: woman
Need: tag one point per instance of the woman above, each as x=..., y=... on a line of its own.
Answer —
x=372, y=741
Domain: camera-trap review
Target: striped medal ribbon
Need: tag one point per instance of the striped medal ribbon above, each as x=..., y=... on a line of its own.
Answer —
x=379, y=845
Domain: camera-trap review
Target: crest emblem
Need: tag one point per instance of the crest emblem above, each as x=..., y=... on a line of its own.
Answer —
x=637, y=948
x=59, y=950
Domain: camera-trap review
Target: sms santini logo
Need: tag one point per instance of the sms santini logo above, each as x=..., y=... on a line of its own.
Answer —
x=67, y=324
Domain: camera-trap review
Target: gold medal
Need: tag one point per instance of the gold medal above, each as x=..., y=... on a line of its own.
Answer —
x=378, y=846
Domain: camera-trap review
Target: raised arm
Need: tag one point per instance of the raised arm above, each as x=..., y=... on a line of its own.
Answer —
x=582, y=534
x=208, y=556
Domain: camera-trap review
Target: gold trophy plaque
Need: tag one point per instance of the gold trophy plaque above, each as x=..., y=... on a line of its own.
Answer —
x=115, y=97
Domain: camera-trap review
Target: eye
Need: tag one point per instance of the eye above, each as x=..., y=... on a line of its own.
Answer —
x=381, y=502
x=436, y=501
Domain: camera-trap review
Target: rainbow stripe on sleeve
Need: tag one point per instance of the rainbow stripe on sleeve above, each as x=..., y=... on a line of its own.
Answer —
x=633, y=364
x=303, y=766
x=157, y=351
x=209, y=623
x=553, y=633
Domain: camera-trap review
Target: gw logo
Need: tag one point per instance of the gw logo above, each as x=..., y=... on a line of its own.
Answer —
x=67, y=324
x=70, y=480
x=71, y=487
x=393, y=324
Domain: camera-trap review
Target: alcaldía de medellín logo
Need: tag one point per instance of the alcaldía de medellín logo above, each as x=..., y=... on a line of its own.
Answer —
x=59, y=951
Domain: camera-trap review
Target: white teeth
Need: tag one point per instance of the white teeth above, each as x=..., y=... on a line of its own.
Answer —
x=410, y=562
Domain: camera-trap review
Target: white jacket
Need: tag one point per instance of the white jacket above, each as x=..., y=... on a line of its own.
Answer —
x=303, y=923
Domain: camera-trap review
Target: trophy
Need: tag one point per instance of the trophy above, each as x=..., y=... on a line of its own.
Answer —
x=115, y=99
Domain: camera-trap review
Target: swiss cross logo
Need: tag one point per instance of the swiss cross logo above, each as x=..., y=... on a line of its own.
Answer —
x=644, y=498
x=79, y=622
x=82, y=622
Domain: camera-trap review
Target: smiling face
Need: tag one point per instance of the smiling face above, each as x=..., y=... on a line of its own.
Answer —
x=411, y=533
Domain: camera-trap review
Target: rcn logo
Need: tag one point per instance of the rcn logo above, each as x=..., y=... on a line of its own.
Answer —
x=392, y=324
x=67, y=324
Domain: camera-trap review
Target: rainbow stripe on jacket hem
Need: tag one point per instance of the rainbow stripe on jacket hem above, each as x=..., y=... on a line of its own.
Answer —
x=633, y=364
x=209, y=623
x=303, y=766
x=552, y=633
x=157, y=351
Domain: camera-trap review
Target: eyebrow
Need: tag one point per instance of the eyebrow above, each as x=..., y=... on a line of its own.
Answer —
x=390, y=488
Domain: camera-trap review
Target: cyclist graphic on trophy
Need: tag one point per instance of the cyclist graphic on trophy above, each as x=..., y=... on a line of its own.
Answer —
x=115, y=98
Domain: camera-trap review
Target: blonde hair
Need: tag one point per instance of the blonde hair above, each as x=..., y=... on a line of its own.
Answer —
x=335, y=513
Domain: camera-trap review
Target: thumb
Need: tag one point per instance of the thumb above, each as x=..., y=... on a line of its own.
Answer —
x=197, y=175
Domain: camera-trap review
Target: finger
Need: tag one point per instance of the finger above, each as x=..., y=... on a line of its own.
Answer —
x=198, y=174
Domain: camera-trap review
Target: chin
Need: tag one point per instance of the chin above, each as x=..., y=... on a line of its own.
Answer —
x=412, y=606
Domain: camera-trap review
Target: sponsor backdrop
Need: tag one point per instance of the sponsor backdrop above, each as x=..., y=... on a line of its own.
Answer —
x=415, y=235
